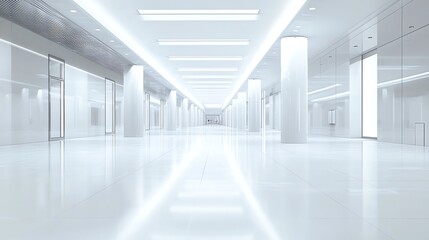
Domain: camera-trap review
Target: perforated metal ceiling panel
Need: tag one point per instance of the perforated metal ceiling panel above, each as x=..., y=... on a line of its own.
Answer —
x=38, y=17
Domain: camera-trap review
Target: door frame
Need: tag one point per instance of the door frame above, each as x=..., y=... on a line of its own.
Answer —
x=62, y=98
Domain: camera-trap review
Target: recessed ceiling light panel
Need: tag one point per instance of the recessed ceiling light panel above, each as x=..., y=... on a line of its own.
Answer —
x=208, y=77
x=209, y=82
x=207, y=69
x=187, y=58
x=203, y=42
x=200, y=15
x=211, y=87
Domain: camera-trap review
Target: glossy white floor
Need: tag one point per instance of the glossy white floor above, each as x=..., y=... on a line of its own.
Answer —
x=214, y=183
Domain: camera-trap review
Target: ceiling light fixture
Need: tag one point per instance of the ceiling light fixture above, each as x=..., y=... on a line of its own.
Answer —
x=203, y=42
x=97, y=29
x=208, y=77
x=211, y=87
x=289, y=11
x=186, y=58
x=199, y=15
x=73, y=11
x=209, y=82
x=312, y=9
x=207, y=69
x=99, y=13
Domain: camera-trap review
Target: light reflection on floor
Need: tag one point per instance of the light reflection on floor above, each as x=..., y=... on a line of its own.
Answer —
x=214, y=183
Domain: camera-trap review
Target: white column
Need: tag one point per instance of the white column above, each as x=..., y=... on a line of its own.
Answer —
x=191, y=115
x=294, y=88
x=241, y=110
x=185, y=113
x=230, y=116
x=134, y=99
x=234, y=113
x=271, y=112
x=171, y=116
x=194, y=120
x=254, y=101
x=197, y=120
x=198, y=117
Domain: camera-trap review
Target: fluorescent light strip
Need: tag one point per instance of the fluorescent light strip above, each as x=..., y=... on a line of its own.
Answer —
x=324, y=89
x=217, y=91
x=203, y=42
x=185, y=58
x=208, y=77
x=212, y=95
x=207, y=69
x=289, y=10
x=202, y=236
x=210, y=87
x=199, y=15
x=198, y=11
x=208, y=82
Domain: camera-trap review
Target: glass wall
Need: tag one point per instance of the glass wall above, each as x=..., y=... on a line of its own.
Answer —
x=85, y=104
x=78, y=98
x=322, y=95
x=399, y=37
x=119, y=109
x=415, y=85
x=23, y=95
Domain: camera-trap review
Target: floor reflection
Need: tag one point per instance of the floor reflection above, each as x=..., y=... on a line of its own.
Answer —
x=213, y=183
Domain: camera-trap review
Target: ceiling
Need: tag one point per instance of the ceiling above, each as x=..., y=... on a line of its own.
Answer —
x=212, y=83
x=325, y=26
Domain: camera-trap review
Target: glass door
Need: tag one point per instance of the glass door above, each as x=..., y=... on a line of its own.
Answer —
x=56, y=72
x=110, y=100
